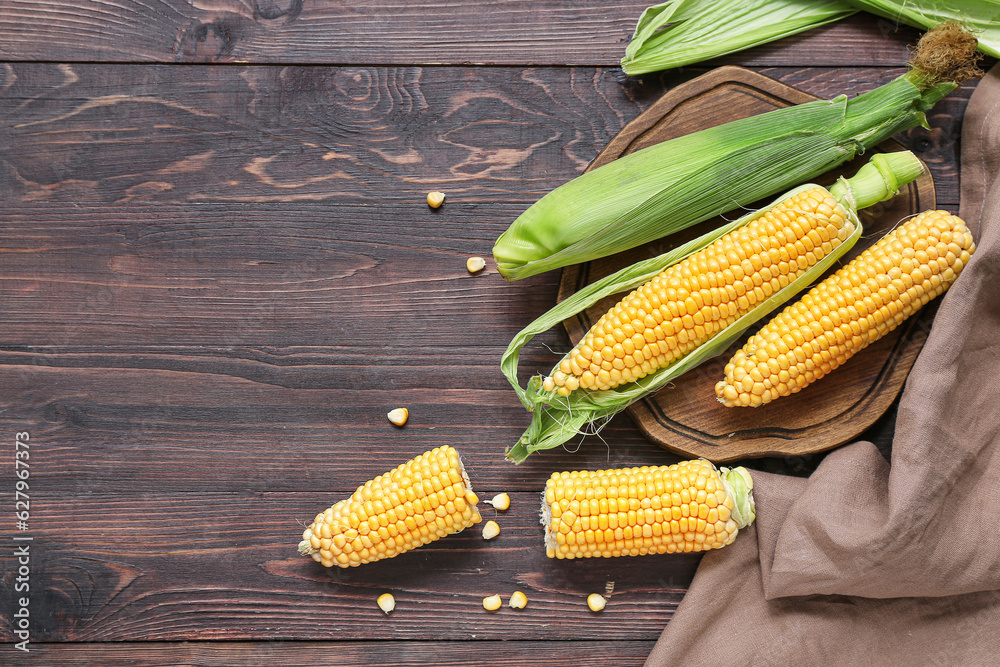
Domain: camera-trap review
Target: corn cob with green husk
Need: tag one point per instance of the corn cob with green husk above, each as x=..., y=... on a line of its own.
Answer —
x=672, y=185
x=871, y=296
x=682, y=32
x=691, y=303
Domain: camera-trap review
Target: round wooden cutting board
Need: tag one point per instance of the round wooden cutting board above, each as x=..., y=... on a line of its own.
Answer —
x=686, y=417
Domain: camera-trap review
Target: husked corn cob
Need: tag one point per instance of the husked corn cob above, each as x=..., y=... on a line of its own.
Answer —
x=689, y=506
x=860, y=303
x=691, y=301
x=418, y=502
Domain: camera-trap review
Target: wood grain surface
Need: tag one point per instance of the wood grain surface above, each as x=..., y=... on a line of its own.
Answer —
x=456, y=32
x=584, y=653
x=218, y=273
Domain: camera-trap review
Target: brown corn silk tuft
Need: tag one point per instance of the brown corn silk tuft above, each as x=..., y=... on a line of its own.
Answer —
x=947, y=53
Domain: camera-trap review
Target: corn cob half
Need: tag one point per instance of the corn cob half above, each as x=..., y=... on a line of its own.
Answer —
x=418, y=502
x=689, y=506
x=850, y=310
x=688, y=305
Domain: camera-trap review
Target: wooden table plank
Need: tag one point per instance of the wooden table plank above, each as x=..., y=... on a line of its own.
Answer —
x=513, y=32
x=129, y=430
x=584, y=653
x=349, y=139
x=210, y=566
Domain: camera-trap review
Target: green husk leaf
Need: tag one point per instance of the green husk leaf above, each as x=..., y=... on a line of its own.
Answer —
x=681, y=32
x=980, y=16
x=739, y=486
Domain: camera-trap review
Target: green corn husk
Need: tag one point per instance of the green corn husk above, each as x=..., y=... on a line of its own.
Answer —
x=672, y=185
x=555, y=419
x=681, y=32
x=980, y=16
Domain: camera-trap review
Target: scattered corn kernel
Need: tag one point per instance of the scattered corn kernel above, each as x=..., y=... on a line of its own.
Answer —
x=491, y=530
x=386, y=602
x=492, y=603
x=518, y=600
x=596, y=602
x=435, y=199
x=501, y=501
x=475, y=264
x=398, y=416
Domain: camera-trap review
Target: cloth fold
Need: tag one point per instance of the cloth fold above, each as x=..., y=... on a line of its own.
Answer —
x=871, y=562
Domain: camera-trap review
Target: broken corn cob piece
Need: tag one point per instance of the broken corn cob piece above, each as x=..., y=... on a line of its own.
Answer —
x=853, y=308
x=418, y=502
x=688, y=506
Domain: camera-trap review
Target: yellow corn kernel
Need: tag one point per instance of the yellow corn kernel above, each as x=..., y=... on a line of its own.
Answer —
x=518, y=600
x=400, y=510
x=490, y=530
x=652, y=509
x=475, y=264
x=688, y=303
x=596, y=602
x=850, y=310
x=501, y=501
x=435, y=199
x=492, y=603
x=398, y=416
x=386, y=602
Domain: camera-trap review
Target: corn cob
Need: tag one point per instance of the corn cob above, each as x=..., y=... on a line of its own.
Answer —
x=672, y=185
x=688, y=506
x=853, y=308
x=691, y=303
x=418, y=502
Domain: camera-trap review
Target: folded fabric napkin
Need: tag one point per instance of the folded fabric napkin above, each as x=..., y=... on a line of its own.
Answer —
x=875, y=563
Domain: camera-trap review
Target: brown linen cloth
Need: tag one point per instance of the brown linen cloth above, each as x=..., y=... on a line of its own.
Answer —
x=867, y=563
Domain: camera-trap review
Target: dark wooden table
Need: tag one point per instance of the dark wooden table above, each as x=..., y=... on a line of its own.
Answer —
x=218, y=273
